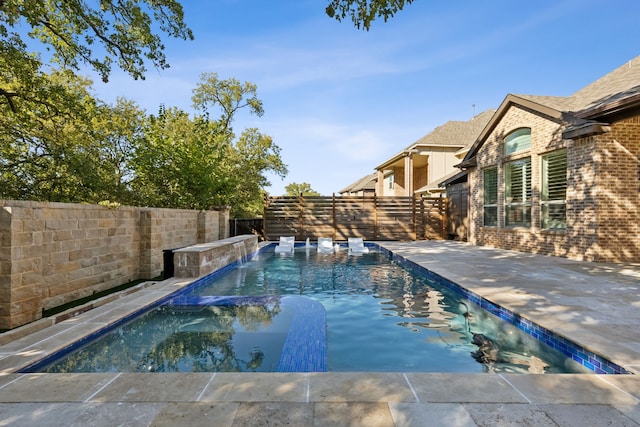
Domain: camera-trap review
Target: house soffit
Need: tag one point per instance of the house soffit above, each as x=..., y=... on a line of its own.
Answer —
x=420, y=154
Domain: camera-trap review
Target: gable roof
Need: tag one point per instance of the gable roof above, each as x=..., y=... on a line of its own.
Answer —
x=365, y=183
x=453, y=133
x=583, y=110
x=620, y=84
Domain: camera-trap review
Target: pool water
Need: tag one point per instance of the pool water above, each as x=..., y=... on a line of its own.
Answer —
x=379, y=317
x=189, y=338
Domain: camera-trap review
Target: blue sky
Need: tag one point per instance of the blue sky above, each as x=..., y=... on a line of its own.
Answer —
x=339, y=101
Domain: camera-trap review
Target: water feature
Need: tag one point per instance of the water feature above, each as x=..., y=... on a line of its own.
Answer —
x=241, y=252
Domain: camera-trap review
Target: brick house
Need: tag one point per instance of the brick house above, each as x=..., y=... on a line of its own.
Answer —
x=561, y=175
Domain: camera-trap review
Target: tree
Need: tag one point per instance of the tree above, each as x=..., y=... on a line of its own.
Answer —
x=78, y=151
x=227, y=96
x=254, y=153
x=77, y=31
x=44, y=152
x=182, y=162
x=304, y=189
x=364, y=12
x=257, y=154
x=116, y=130
x=197, y=162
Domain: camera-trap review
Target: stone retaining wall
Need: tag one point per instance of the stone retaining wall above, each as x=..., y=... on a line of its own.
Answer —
x=55, y=253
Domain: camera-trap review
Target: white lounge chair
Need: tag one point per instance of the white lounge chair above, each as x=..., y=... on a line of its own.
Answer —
x=286, y=244
x=325, y=245
x=356, y=246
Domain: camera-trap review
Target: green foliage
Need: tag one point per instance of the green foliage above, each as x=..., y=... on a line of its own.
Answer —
x=117, y=131
x=196, y=163
x=75, y=32
x=303, y=189
x=58, y=143
x=181, y=163
x=96, y=33
x=364, y=12
x=256, y=154
x=86, y=151
x=71, y=148
x=228, y=96
x=44, y=146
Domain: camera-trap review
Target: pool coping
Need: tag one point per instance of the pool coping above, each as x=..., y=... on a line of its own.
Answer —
x=402, y=393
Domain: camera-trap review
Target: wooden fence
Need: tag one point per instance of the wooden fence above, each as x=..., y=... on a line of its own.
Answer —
x=369, y=217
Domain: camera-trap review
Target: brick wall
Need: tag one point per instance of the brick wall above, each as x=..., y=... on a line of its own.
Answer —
x=618, y=193
x=55, y=253
x=603, y=187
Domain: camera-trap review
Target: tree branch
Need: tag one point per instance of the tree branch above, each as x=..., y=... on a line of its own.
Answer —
x=9, y=95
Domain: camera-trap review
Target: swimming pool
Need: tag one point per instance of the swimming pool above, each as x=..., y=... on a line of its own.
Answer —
x=382, y=317
x=379, y=317
x=405, y=306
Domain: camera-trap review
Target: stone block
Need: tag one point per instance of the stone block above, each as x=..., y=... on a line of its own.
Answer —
x=88, y=262
x=32, y=279
x=66, y=267
x=60, y=224
x=202, y=259
x=26, y=265
x=62, y=235
x=22, y=239
x=59, y=257
x=32, y=225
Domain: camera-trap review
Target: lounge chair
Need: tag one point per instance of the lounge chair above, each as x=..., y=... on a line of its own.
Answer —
x=286, y=244
x=325, y=245
x=356, y=246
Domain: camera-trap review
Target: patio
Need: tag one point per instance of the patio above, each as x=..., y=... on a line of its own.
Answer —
x=596, y=305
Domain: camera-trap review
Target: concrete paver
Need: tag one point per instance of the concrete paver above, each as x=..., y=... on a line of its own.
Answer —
x=596, y=305
x=256, y=387
x=431, y=414
x=479, y=388
x=196, y=414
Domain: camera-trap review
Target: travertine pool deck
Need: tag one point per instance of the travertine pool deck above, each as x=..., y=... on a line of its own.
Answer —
x=596, y=305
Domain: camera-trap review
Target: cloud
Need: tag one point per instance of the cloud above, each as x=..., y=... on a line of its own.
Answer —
x=334, y=140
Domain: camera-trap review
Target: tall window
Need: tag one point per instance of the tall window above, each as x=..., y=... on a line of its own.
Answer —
x=518, y=140
x=490, y=182
x=391, y=181
x=517, y=193
x=553, y=200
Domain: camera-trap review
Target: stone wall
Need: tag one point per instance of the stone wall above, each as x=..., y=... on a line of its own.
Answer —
x=55, y=253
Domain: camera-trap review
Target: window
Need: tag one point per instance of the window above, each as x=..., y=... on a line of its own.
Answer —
x=490, y=212
x=517, y=193
x=553, y=200
x=517, y=140
x=391, y=180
